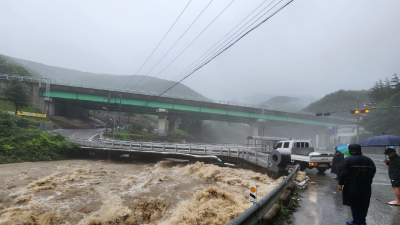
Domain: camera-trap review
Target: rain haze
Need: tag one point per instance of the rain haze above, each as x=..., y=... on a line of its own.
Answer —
x=310, y=48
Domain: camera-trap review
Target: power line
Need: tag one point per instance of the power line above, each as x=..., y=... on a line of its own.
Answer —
x=174, y=43
x=226, y=48
x=190, y=43
x=159, y=43
x=230, y=37
x=194, y=63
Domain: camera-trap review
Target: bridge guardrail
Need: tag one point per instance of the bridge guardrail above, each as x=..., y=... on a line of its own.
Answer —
x=137, y=91
x=254, y=214
x=247, y=153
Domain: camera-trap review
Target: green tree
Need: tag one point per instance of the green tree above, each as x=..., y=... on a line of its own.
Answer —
x=17, y=93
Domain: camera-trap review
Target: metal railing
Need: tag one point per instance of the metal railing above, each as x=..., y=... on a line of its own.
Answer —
x=250, y=154
x=153, y=93
x=254, y=214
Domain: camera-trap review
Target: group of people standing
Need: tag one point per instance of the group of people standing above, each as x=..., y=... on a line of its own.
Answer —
x=355, y=174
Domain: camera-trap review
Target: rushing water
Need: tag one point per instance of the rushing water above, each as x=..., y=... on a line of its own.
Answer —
x=99, y=192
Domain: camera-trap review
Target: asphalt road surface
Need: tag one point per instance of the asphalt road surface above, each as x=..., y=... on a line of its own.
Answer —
x=79, y=133
x=322, y=203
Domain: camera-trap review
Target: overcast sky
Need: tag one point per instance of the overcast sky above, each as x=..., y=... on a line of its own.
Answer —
x=310, y=48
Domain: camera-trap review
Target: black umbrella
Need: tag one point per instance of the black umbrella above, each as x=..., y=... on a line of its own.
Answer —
x=381, y=141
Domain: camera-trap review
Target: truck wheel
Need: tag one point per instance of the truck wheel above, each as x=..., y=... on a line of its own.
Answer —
x=321, y=170
x=303, y=165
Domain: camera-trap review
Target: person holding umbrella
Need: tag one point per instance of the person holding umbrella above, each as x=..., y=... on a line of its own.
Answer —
x=357, y=174
x=394, y=173
x=337, y=162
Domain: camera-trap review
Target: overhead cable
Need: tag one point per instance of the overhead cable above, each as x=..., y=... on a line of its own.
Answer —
x=190, y=43
x=227, y=47
x=231, y=41
x=195, y=63
x=158, y=43
x=174, y=44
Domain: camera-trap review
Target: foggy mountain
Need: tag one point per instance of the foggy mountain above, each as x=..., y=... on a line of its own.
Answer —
x=147, y=83
x=286, y=103
x=254, y=99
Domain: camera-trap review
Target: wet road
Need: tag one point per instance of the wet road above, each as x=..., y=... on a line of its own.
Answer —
x=79, y=133
x=322, y=202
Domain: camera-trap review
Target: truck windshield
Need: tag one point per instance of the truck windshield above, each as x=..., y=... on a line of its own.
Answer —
x=279, y=145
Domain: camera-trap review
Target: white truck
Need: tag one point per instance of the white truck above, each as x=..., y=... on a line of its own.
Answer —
x=302, y=153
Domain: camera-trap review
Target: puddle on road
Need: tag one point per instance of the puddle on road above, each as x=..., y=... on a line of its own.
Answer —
x=88, y=192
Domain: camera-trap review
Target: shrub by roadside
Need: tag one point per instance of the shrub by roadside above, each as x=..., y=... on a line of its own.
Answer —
x=18, y=143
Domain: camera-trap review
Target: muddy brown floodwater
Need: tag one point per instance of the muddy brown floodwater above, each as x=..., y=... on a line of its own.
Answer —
x=99, y=192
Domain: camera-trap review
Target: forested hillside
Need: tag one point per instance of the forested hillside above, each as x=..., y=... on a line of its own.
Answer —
x=385, y=94
x=342, y=101
x=8, y=66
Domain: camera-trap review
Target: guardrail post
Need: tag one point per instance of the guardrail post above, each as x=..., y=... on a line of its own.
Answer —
x=130, y=145
x=112, y=145
x=163, y=147
x=176, y=149
x=205, y=150
x=141, y=147
x=247, y=154
x=256, y=157
x=238, y=153
x=220, y=151
x=229, y=151
x=152, y=146
x=190, y=149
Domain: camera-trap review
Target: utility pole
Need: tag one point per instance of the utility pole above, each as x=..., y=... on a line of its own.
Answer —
x=108, y=106
x=119, y=116
x=358, y=116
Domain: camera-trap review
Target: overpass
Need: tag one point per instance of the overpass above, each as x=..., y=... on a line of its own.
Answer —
x=69, y=99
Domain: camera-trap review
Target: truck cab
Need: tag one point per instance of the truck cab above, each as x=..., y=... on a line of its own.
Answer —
x=302, y=153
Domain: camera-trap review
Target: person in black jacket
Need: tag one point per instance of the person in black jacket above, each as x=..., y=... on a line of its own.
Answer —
x=394, y=174
x=356, y=176
x=337, y=162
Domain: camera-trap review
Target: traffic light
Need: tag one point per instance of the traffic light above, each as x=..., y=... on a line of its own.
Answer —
x=360, y=111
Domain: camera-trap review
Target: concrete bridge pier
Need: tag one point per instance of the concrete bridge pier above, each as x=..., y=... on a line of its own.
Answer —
x=161, y=121
x=171, y=125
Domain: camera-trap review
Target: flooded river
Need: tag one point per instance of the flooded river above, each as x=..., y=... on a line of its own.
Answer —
x=99, y=192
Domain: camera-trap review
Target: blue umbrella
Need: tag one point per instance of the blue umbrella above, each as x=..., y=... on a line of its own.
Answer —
x=382, y=140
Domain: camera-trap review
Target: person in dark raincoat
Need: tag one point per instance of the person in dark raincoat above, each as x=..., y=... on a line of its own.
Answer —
x=337, y=162
x=356, y=175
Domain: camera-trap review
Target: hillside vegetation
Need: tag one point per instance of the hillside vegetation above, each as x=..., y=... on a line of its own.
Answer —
x=342, y=101
x=19, y=143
